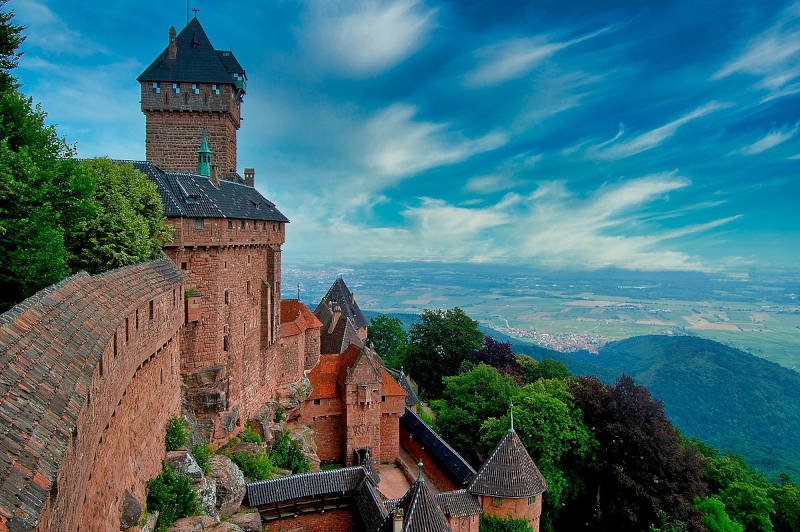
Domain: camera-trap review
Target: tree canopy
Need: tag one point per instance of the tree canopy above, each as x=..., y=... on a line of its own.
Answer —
x=498, y=355
x=389, y=338
x=438, y=344
x=10, y=38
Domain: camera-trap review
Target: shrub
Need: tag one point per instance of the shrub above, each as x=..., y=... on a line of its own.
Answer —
x=201, y=454
x=171, y=495
x=254, y=467
x=249, y=435
x=279, y=414
x=490, y=523
x=286, y=453
x=177, y=433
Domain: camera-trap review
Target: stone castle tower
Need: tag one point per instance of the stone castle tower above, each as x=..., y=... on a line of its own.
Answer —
x=191, y=88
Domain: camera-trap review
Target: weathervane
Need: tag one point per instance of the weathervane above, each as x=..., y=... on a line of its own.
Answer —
x=512, y=417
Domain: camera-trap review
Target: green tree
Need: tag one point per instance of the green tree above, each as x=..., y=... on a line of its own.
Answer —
x=43, y=198
x=438, y=344
x=389, y=338
x=531, y=370
x=786, y=515
x=715, y=518
x=551, y=428
x=128, y=225
x=171, y=495
x=469, y=399
x=748, y=504
x=10, y=39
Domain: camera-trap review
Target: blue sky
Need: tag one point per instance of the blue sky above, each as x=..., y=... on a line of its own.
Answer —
x=645, y=135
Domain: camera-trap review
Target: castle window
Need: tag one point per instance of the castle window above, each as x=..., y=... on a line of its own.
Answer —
x=225, y=343
x=156, y=88
x=215, y=89
x=383, y=398
x=244, y=225
x=244, y=329
x=531, y=500
x=227, y=300
x=162, y=375
x=176, y=88
x=199, y=223
x=174, y=298
x=195, y=88
x=265, y=226
x=230, y=224
x=316, y=401
x=497, y=501
x=115, y=344
x=248, y=287
x=183, y=265
x=137, y=319
x=274, y=227
x=127, y=331
x=255, y=226
x=151, y=309
x=248, y=259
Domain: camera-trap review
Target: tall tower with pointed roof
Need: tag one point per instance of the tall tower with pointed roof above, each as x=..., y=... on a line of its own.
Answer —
x=191, y=88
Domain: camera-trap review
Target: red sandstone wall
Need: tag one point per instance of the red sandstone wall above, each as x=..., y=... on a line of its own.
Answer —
x=330, y=521
x=327, y=420
x=312, y=348
x=217, y=259
x=292, y=358
x=105, y=457
x=175, y=124
x=468, y=523
x=363, y=418
x=516, y=508
x=433, y=472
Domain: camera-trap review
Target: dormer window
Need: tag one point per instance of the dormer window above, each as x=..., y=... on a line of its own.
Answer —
x=195, y=88
x=176, y=88
x=156, y=88
x=215, y=89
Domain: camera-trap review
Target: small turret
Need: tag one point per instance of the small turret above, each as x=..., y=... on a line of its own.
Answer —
x=204, y=157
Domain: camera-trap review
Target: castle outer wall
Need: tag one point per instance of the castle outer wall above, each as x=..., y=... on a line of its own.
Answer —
x=84, y=358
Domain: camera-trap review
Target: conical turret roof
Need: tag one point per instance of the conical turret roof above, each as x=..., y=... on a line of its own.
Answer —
x=420, y=511
x=509, y=472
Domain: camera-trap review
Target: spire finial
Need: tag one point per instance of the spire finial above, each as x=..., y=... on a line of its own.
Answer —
x=204, y=160
x=512, y=417
x=421, y=477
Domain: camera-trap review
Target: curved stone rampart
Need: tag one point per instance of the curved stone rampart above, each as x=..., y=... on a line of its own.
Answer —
x=90, y=373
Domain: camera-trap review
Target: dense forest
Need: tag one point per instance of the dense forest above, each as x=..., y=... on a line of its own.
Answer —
x=611, y=457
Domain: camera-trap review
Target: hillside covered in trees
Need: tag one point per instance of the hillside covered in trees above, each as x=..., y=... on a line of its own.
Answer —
x=611, y=457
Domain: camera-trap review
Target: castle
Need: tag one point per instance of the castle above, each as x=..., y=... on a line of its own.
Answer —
x=94, y=366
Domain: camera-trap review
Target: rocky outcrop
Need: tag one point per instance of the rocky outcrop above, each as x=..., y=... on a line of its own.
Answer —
x=184, y=463
x=193, y=523
x=206, y=491
x=131, y=511
x=249, y=521
x=230, y=484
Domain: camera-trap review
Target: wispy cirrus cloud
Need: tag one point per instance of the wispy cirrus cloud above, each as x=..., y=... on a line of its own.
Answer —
x=366, y=37
x=397, y=144
x=618, y=149
x=513, y=58
x=769, y=141
x=772, y=56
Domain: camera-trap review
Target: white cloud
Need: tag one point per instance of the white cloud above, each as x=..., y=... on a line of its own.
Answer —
x=367, y=37
x=772, y=56
x=769, y=141
x=47, y=32
x=507, y=175
x=398, y=145
x=618, y=149
x=513, y=58
x=549, y=226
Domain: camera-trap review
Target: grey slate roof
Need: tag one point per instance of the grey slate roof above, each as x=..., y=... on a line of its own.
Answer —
x=457, y=503
x=196, y=60
x=187, y=195
x=402, y=380
x=420, y=511
x=343, y=335
x=339, y=293
x=305, y=485
x=509, y=472
x=50, y=345
x=446, y=457
x=369, y=507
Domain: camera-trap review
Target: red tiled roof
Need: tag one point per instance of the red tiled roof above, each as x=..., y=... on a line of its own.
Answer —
x=296, y=318
x=390, y=386
x=323, y=377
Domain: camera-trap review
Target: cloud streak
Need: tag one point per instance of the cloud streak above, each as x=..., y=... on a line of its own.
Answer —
x=769, y=141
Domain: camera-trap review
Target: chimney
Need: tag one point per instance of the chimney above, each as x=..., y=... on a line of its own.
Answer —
x=214, y=176
x=249, y=177
x=397, y=520
x=172, y=51
x=337, y=313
